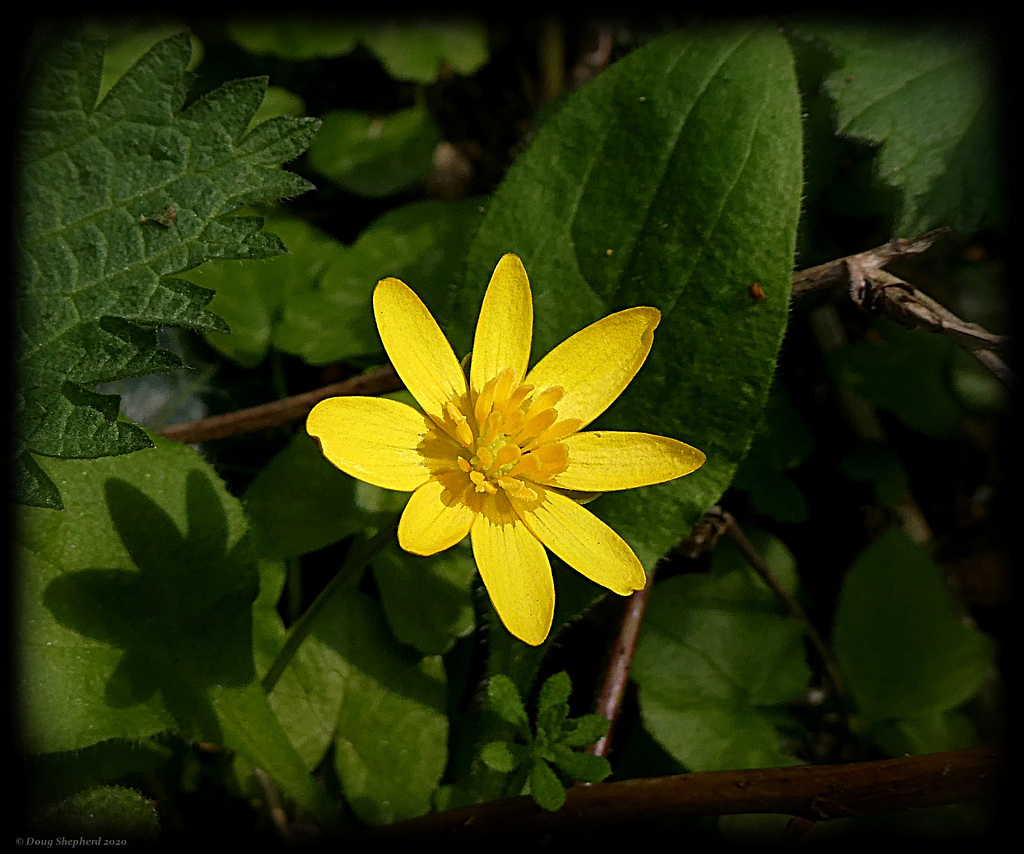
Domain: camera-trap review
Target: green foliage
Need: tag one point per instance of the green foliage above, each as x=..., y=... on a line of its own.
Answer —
x=781, y=443
x=718, y=660
x=116, y=197
x=927, y=97
x=375, y=156
x=554, y=740
x=137, y=614
x=113, y=812
x=604, y=219
x=261, y=641
x=314, y=302
x=907, y=371
x=418, y=53
x=908, y=660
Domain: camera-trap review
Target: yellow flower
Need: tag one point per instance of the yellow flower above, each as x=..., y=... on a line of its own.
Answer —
x=499, y=456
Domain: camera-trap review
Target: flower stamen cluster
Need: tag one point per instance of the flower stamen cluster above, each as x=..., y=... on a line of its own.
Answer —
x=507, y=438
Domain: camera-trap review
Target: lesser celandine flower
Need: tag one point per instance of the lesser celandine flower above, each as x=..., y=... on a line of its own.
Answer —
x=499, y=456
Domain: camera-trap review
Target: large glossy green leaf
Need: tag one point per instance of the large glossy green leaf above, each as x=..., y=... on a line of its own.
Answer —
x=673, y=180
x=137, y=615
x=904, y=654
x=927, y=95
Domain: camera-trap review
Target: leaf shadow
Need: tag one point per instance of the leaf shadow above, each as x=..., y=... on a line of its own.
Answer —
x=182, y=617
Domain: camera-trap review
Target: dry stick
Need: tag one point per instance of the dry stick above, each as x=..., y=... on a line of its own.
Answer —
x=616, y=672
x=378, y=381
x=814, y=792
x=876, y=290
x=756, y=560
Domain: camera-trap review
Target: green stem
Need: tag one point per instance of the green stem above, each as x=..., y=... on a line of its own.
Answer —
x=361, y=553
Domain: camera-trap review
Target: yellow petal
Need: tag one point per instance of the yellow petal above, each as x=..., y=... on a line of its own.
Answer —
x=373, y=439
x=433, y=520
x=597, y=363
x=602, y=460
x=583, y=541
x=421, y=354
x=515, y=570
x=504, y=329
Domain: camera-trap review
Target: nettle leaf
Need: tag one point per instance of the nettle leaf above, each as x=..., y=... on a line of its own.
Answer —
x=137, y=615
x=928, y=97
x=116, y=197
x=906, y=657
x=673, y=180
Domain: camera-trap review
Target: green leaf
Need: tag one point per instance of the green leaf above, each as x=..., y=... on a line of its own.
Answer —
x=901, y=649
x=374, y=156
x=545, y=787
x=715, y=660
x=878, y=464
x=388, y=689
x=927, y=96
x=498, y=756
x=672, y=180
x=780, y=444
x=428, y=601
x=308, y=694
x=553, y=706
x=299, y=502
x=421, y=53
x=114, y=198
x=114, y=812
x=505, y=701
x=584, y=730
x=137, y=615
x=932, y=732
x=907, y=371
x=315, y=302
x=581, y=766
x=294, y=38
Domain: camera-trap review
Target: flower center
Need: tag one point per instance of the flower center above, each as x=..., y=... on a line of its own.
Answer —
x=507, y=436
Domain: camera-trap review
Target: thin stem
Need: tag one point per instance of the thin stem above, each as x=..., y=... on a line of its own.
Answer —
x=620, y=658
x=758, y=563
x=378, y=381
x=361, y=553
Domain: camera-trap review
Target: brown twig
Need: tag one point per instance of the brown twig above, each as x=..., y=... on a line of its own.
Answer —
x=877, y=291
x=815, y=792
x=757, y=562
x=378, y=381
x=620, y=658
